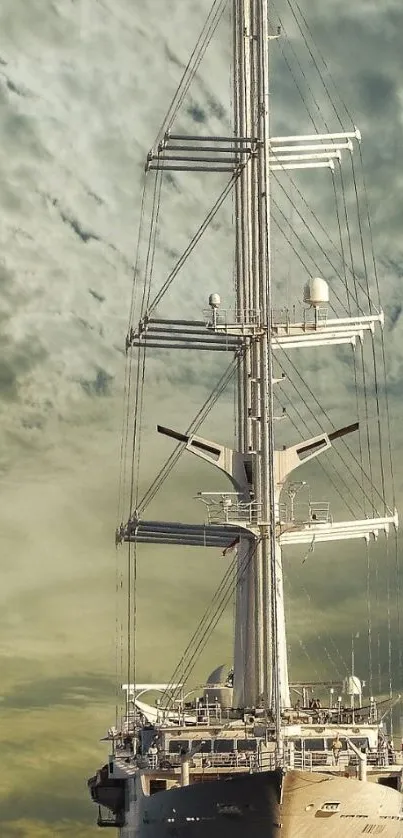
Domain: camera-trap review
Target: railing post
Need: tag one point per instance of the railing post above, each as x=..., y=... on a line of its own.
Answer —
x=185, y=772
x=362, y=761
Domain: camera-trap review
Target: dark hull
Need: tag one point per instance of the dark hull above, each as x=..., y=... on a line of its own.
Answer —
x=216, y=809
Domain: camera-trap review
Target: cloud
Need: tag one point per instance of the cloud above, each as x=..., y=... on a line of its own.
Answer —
x=86, y=174
x=67, y=690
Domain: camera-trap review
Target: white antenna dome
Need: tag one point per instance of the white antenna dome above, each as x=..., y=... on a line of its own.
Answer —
x=214, y=300
x=352, y=685
x=316, y=292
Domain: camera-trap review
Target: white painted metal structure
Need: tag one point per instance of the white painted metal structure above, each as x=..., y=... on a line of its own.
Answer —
x=250, y=515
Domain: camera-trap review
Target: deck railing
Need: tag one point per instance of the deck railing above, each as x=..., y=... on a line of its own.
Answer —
x=265, y=761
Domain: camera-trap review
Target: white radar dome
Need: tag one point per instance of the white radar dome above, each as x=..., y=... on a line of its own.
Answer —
x=352, y=685
x=214, y=300
x=316, y=292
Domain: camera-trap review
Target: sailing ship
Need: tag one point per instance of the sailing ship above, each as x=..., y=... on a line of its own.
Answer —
x=253, y=754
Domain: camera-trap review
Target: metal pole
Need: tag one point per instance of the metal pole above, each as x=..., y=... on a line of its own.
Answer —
x=244, y=657
x=270, y=617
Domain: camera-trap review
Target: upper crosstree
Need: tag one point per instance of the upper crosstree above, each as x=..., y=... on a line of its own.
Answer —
x=189, y=152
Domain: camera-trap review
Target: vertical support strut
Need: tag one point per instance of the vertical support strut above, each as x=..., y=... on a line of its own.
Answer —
x=272, y=689
x=260, y=677
x=244, y=665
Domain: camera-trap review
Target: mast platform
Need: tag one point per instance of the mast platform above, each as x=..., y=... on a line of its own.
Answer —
x=186, y=535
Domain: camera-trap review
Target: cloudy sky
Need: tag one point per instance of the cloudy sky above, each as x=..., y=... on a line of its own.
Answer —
x=84, y=86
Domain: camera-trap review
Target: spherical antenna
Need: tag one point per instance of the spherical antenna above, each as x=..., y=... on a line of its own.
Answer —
x=214, y=300
x=316, y=292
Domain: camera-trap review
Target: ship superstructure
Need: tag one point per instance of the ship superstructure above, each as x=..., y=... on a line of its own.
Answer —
x=245, y=755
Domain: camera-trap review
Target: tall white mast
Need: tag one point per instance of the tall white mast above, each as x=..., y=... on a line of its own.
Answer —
x=256, y=645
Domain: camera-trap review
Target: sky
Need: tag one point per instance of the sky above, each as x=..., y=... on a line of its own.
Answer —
x=84, y=87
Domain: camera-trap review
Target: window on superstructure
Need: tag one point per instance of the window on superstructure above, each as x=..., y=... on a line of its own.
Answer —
x=223, y=746
x=204, y=745
x=314, y=744
x=246, y=745
x=178, y=746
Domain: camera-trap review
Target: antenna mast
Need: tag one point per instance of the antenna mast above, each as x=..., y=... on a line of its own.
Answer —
x=256, y=603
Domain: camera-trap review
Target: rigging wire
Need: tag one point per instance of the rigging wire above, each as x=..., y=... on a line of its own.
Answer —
x=368, y=435
x=329, y=638
x=308, y=597
x=354, y=356
x=311, y=661
x=126, y=403
x=369, y=225
x=298, y=87
x=398, y=620
x=145, y=302
x=363, y=371
x=142, y=349
x=131, y=616
x=118, y=636
x=369, y=621
x=360, y=231
x=351, y=266
x=136, y=443
x=321, y=227
x=140, y=377
x=288, y=240
x=128, y=365
x=196, y=238
x=378, y=612
x=207, y=32
x=376, y=386
x=304, y=247
x=389, y=621
x=199, y=631
x=232, y=578
x=388, y=433
x=324, y=62
x=379, y=425
x=375, y=269
x=315, y=65
x=138, y=247
x=303, y=75
x=152, y=239
x=328, y=475
x=312, y=394
x=360, y=445
x=202, y=414
x=342, y=252
x=210, y=26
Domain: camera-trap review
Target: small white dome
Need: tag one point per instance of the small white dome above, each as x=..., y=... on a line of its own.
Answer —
x=214, y=300
x=352, y=685
x=316, y=292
